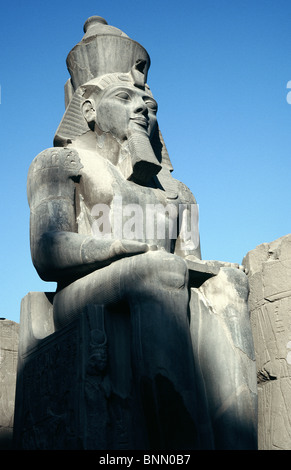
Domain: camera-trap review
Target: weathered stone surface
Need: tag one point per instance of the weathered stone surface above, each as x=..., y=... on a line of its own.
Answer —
x=36, y=319
x=223, y=348
x=8, y=367
x=115, y=230
x=49, y=390
x=269, y=273
x=36, y=324
x=76, y=390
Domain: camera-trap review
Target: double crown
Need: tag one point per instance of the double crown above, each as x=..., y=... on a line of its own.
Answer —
x=103, y=50
x=104, y=55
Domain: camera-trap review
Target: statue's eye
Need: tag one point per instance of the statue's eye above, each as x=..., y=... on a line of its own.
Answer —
x=123, y=95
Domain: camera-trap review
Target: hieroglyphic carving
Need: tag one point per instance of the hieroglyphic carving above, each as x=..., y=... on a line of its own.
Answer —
x=51, y=376
x=69, y=401
x=269, y=272
x=8, y=366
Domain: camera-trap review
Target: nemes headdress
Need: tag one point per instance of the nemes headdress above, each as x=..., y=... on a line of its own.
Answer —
x=104, y=57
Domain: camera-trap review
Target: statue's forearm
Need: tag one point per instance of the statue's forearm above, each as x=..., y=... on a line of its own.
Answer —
x=68, y=254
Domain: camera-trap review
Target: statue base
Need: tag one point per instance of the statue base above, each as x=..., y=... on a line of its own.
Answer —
x=69, y=394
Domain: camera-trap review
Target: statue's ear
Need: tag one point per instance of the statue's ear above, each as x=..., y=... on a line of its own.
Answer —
x=89, y=112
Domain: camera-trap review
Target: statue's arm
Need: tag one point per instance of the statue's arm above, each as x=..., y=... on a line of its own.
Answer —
x=188, y=240
x=59, y=252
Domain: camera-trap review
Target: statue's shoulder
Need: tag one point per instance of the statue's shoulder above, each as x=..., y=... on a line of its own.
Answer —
x=61, y=160
x=185, y=194
x=53, y=171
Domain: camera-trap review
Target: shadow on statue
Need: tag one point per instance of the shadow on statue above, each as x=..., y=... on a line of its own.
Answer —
x=143, y=345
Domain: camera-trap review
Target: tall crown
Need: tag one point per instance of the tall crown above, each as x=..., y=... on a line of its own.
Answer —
x=103, y=49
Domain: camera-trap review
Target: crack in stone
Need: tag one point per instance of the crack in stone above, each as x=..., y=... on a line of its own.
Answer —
x=265, y=376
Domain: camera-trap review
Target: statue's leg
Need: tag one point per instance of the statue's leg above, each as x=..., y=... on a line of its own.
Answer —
x=158, y=295
x=223, y=346
x=155, y=286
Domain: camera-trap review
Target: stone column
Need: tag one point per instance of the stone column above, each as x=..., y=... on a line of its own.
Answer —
x=8, y=366
x=269, y=273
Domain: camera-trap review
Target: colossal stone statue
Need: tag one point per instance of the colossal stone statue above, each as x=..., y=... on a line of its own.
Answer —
x=115, y=230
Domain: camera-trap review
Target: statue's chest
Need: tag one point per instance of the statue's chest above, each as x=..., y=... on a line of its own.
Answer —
x=106, y=201
x=101, y=183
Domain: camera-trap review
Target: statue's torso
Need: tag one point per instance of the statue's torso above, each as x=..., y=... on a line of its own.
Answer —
x=135, y=211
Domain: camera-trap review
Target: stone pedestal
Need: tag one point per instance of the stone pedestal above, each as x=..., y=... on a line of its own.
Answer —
x=269, y=273
x=8, y=365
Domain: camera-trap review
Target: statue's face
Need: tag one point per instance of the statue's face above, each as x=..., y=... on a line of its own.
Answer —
x=122, y=109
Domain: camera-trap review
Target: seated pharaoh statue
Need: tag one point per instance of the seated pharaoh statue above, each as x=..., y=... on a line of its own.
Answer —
x=113, y=228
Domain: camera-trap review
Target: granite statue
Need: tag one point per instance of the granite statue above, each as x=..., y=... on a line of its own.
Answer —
x=113, y=228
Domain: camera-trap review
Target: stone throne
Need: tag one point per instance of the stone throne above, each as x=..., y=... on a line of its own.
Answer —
x=143, y=345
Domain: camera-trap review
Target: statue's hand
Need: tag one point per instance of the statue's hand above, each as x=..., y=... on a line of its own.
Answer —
x=120, y=248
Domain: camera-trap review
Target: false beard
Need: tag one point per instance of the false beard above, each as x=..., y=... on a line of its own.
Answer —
x=143, y=163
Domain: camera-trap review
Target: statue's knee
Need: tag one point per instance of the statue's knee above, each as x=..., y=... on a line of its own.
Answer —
x=165, y=271
x=238, y=280
x=228, y=287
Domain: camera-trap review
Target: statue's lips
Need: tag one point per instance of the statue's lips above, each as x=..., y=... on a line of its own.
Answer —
x=141, y=120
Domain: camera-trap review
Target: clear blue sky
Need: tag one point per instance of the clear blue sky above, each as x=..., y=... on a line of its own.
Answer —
x=219, y=72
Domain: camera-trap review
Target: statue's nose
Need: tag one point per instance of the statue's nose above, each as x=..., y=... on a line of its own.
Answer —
x=141, y=107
